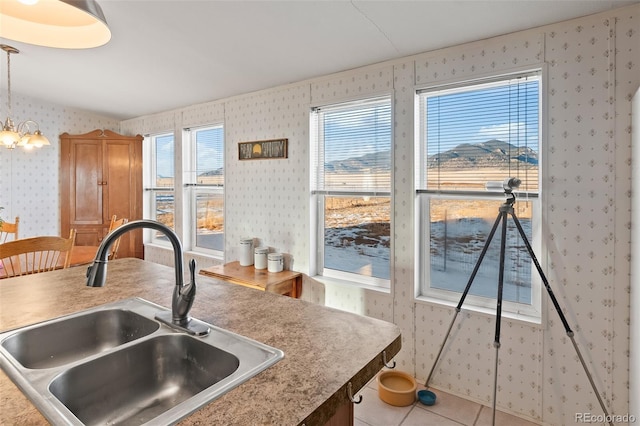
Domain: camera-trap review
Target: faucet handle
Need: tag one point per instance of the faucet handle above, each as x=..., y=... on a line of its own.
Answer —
x=192, y=270
x=188, y=292
x=183, y=296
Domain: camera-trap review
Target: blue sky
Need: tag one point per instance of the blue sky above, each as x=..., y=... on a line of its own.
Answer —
x=164, y=156
x=357, y=131
x=505, y=112
x=508, y=112
x=494, y=111
x=209, y=151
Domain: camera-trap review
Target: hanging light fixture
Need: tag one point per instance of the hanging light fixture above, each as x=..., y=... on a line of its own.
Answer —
x=67, y=24
x=20, y=135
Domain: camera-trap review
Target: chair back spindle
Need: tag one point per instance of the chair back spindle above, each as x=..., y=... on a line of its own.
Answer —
x=115, y=223
x=35, y=255
x=9, y=231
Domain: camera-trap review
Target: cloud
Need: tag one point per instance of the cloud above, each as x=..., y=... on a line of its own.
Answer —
x=502, y=131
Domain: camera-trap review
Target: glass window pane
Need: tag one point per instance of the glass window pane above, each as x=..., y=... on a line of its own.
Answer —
x=164, y=150
x=209, y=156
x=165, y=208
x=355, y=147
x=357, y=235
x=458, y=232
x=210, y=221
x=486, y=132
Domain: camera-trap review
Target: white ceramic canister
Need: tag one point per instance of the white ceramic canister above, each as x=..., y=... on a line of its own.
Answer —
x=260, y=257
x=276, y=262
x=246, y=251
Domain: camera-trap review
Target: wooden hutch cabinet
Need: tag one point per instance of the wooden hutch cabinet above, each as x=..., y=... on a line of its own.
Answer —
x=101, y=176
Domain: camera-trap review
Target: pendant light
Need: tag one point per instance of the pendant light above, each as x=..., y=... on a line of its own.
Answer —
x=66, y=24
x=20, y=135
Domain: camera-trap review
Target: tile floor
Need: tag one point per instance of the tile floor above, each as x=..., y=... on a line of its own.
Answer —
x=449, y=410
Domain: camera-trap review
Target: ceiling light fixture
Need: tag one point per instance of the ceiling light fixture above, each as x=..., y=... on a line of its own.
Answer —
x=66, y=24
x=12, y=136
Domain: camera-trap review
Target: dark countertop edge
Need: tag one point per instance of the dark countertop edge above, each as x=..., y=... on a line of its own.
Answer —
x=323, y=413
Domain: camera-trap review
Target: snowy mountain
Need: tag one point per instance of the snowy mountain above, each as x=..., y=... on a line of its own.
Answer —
x=373, y=163
x=492, y=154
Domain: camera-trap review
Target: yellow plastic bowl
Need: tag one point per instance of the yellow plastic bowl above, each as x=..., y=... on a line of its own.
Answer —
x=397, y=388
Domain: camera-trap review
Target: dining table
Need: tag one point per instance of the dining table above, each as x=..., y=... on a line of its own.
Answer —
x=81, y=255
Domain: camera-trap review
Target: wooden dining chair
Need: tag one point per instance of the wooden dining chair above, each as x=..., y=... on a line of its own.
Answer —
x=115, y=223
x=9, y=231
x=35, y=255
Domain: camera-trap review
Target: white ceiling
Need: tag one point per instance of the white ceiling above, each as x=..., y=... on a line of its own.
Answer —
x=167, y=54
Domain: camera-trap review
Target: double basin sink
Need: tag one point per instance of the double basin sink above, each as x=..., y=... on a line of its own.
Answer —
x=115, y=364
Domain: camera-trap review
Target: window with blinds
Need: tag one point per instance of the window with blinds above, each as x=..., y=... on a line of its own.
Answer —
x=207, y=188
x=354, y=153
x=479, y=133
x=351, y=182
x=470, y=134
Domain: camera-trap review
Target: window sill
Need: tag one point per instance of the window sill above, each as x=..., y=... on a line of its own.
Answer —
x=168, y=247
x=530, y=320
x=205, y=255
x=352, y=284
x=154, y=244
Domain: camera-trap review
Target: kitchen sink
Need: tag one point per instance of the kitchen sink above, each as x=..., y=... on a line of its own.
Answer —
x=134, y=371
x=72, y=338
x=142, y=381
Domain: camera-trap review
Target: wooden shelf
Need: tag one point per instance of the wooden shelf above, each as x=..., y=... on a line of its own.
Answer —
x=288, y=283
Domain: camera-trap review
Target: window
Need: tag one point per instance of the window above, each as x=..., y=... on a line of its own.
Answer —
x=351, y=169
x=469, y=135
x=161, y=192
x=206, y=188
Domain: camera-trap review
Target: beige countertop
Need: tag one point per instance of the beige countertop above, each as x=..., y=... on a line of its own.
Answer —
x=324, y=348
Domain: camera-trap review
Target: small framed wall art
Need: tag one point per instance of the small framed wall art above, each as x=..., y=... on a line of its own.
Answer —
x=260, y=150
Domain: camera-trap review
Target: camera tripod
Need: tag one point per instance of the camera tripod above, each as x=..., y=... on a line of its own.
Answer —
x=507, y=209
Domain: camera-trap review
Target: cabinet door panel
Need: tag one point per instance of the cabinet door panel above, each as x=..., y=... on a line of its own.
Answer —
x=120, y=193
x=86, y=183
x=119, y=179
x=89, y=236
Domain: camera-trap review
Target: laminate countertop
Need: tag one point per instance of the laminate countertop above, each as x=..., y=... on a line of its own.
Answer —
x=324, y=348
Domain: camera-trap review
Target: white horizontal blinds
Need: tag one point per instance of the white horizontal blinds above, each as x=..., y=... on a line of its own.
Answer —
x=164, y=149
x=209, y=159
x=354, y=147
x=480, y=133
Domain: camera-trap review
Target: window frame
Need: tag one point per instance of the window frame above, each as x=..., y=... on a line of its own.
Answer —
x=318, y=198
x=192, y=188
x=423, y=196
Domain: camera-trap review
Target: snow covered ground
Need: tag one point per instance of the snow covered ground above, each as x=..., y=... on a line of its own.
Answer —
x=455, y=248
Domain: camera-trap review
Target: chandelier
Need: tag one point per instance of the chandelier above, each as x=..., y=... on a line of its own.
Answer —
x=20, y=135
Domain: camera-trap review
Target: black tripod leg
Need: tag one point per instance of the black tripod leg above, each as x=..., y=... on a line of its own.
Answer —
x=464, y=294
x=562, y=317
x=496, y=341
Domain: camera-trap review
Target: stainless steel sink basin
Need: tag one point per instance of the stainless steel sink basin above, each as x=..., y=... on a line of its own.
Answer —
x=72, y=338
x=150, y=378
x=157, y=377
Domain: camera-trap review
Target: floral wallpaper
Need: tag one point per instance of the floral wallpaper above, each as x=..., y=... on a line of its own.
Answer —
x=591, y=71
x=29, y=179
x=591, y=68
